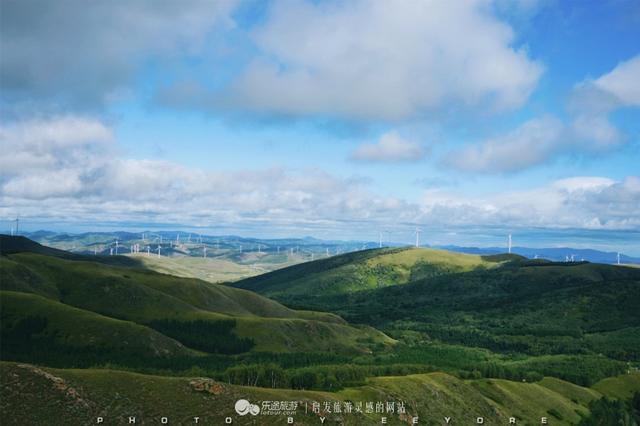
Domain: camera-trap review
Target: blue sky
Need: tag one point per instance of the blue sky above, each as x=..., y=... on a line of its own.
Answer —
x=471, y=119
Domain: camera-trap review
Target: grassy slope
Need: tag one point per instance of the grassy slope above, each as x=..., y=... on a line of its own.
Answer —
x=76, y=328
x=77, y=396
x=217, y=268
x=140, y=296
x=213, y=270
x=359, y=271
x=622, y=387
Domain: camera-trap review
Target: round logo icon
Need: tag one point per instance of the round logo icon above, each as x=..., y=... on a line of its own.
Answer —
x=244, y=407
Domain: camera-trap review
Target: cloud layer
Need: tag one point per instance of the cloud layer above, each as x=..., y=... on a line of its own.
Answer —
x=369, y=59
x=539, y=140
x=74, y=53
x=71, y=170
x=390, y=148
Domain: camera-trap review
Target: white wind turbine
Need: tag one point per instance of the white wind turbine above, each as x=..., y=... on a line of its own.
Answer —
x=418, y=231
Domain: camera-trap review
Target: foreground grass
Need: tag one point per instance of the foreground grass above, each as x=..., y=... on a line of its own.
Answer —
x=33, y=395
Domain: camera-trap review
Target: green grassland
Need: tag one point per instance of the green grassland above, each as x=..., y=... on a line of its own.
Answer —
x=360, y=271
x=137, y=295
x=492, y=316
x=460, y=335
x=79, y=396
x=216, y=268
x=63, y=325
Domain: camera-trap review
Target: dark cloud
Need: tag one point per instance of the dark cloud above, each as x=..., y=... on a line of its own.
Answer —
x=83, y=53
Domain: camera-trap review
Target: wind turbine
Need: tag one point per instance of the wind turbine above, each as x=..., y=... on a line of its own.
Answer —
x=205, y=252
x=418, y=231
x=158, y=251
x=509, y=243
x=148, y=251
x=116, y=246
x=618, y=257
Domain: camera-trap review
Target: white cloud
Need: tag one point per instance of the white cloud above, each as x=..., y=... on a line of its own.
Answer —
x=541, y=139
x=530, y=144
x=578, y=202
x=72, y=178
x=72, y=170
x=623, y=82
x=52, y=144
x=371, y=59
x=391, y=147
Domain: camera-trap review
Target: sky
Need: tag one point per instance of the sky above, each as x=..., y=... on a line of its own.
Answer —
x=334, y=119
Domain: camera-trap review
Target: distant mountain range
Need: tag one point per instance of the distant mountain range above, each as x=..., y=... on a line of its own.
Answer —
x=557, y=254
x=313, y=245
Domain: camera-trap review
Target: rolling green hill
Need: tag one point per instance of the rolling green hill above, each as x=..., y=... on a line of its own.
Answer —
x=33, y=395
x=34, y=323
x=578, y=321
x=145, y=297
x=361, y=271
x=493, y=336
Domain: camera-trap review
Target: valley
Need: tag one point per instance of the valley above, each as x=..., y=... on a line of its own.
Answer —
x=447, y=334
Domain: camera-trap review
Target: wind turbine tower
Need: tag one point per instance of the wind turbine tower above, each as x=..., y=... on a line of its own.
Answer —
x=509, y=243
x=116, y=246
x=205, y=252
x=158, y=251
x=618, y=258
x=379, y=239
x=418, y=231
